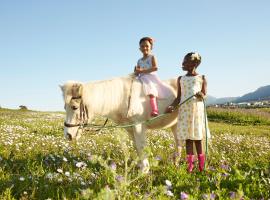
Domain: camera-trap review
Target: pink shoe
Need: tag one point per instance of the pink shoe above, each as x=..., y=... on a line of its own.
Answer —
x=154, y=107
x=190, y=160
x=201, y=159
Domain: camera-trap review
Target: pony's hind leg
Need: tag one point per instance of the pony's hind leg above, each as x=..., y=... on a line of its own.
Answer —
x=178, y=146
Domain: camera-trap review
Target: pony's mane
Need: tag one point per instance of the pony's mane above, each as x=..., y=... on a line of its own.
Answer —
x=107, y=94
x=129, y=76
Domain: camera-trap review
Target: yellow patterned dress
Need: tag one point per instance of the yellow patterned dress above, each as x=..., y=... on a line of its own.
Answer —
x=191, y=119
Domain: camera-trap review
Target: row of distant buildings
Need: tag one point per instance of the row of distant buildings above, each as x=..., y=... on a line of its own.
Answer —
x=250, y=104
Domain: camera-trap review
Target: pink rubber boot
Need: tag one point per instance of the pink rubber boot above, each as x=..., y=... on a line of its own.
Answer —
x=154, y=107
x=190, y=160
x=201, y=159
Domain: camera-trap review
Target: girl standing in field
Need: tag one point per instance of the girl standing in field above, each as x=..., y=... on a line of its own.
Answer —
x=191, y=117
x=146, y=71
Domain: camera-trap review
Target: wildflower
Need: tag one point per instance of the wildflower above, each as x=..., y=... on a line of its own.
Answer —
x=211, y=168
x=168, y=184
x=195, y=56
x=83, y=183
x=212, y=196
x=225, y=167
x=158, y=158
x=93, y=175
x=49, y=176
x=89, y=156
x=205, y=196
x=113, y=166
x=184, y=195
x=76, y=175
x=67, y=174
x=81, y=164
x=119, y=178
x=59, y=171
x=169, y=193
x=21, y=178
x=65, y=159
x=209, y=196
x=232, y=195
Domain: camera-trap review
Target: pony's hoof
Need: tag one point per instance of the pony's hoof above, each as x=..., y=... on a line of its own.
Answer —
x=145, y=166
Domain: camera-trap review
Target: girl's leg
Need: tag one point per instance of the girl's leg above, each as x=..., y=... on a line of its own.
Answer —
x=201, y=156
x=198, y=144
x=189, y=147
x=154, y=107
x=190, y=156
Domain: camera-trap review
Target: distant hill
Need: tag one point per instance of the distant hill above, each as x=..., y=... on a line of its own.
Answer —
x=213, y=100
x=262, y=93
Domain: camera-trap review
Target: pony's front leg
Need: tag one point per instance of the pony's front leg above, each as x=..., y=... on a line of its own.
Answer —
x=178, y=145
x=140, y=143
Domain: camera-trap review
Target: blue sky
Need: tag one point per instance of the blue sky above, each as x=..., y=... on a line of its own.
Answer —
x=45, y=43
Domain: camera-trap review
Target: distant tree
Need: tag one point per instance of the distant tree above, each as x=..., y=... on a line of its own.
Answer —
x=22, y=107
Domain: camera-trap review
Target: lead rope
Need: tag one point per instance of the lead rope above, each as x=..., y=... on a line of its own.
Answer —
x=154, y=118
x=141, y=122
x=206, y=136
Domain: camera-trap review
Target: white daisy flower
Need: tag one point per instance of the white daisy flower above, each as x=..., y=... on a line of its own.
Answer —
x=195, y=56
x=67, y=174
x=168, y=183
x=169, y=193
x=81, y=164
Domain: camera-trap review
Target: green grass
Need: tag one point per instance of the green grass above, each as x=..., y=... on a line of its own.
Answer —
x=36, y=162
x=240, y=116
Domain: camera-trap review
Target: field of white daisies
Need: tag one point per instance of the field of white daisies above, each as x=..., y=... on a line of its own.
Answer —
x=36, y=162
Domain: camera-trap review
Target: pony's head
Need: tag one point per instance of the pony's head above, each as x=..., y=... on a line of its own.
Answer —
x=75, y=110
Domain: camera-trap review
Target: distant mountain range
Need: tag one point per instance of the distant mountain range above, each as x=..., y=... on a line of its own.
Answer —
x=262, y=93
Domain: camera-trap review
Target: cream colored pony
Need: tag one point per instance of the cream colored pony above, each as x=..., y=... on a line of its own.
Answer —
x=121, y=100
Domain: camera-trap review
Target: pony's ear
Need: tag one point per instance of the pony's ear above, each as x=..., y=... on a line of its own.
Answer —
x=76, y=90
x=61, y=87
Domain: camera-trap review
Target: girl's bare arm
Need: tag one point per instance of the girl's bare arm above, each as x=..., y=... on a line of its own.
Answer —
x=176, y=101
x=152, y=69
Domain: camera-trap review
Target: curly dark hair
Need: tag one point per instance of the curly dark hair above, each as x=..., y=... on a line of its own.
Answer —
x=149, y=39
x=189, y=56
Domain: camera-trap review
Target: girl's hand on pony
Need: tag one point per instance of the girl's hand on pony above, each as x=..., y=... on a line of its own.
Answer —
x=169, y=109
x=138, y=70
x=200, y=96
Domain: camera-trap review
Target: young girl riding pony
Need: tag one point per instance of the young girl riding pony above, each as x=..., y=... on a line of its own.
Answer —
x=146, y=71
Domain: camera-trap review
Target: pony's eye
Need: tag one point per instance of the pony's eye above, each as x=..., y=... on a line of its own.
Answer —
x=74, y=107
